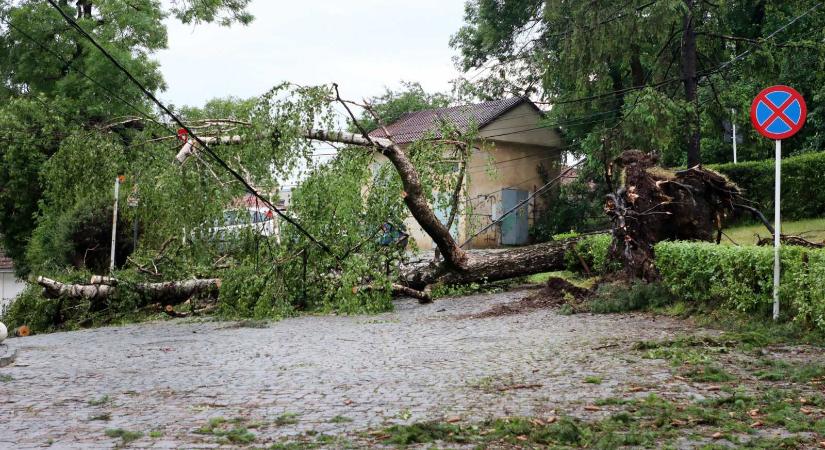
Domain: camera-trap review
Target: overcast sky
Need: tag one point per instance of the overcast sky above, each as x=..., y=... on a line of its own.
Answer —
x=363, y=45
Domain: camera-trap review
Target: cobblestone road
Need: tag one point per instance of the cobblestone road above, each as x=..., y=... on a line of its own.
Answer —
x=333, y=375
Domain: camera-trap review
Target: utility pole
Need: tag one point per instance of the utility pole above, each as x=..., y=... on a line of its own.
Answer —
x=118, y=180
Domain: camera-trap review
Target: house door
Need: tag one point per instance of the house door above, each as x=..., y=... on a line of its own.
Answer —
x=514, y=227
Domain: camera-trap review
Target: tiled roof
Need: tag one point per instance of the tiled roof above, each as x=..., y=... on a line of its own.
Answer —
x=5, y=262
x=250, y=201
x=413, y=126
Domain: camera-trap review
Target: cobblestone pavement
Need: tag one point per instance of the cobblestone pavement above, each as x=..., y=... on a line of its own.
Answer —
x=336, y=375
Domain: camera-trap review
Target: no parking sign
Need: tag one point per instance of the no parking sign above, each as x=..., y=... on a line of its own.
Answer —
x=777, y=113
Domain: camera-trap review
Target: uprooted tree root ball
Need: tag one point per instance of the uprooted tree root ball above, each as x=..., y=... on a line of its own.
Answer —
x=655, y=204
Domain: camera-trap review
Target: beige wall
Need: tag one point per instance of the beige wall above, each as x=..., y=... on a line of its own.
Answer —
x=521, y=125
x=506, y=165
x=515, y=146
x=516, y=167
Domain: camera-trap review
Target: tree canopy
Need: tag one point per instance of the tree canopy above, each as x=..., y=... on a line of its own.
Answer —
x=57, y=90
x=619, y=74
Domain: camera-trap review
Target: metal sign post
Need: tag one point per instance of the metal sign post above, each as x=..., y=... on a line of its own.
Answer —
x=777, y=232
x=777, y=113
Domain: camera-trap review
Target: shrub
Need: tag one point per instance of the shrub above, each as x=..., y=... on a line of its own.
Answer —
x=742, y=277
x=594, y=250
x=799, y=174
x=249, y=292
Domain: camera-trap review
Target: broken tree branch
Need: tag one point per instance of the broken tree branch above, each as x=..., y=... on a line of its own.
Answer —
x=757, y=215
x=56, y=289
x=789, y=240
x=170, y=310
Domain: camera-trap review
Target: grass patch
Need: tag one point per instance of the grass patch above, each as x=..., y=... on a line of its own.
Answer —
x=572, y=277
x=709, y=373
x=340, y=419
x=688, y=350
x=611, y=401
x=621, y=297
x=239, y=436
x=756, y=332
x=99, y=401
x=593, y=380
x=286, y=419
x=650, y=422
x=213, y=423
x=124, y=435
x=422, y=433
x=778, y=370
x=229, y=431
x=105, y=417
x=155, y=434
x=810, y=229
x=6, y=378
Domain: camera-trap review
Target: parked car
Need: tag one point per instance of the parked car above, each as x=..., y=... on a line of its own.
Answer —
x=261, y=220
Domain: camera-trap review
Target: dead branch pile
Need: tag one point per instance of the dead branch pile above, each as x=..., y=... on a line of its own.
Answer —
x=790, y=240
x=556, y=292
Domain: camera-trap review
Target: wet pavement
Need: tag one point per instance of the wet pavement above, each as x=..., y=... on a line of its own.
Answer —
x=320, y=374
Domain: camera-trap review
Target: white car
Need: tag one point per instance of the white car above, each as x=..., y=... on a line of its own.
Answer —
x=262, y=220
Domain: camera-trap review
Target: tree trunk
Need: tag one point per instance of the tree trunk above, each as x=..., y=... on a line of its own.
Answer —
x=637, y=71
x=102, y=288
x=493, y=265
x=93, y=292
x=691, y=82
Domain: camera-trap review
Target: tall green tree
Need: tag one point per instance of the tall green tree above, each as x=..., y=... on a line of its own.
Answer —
x=658, y=75
x=54, y=84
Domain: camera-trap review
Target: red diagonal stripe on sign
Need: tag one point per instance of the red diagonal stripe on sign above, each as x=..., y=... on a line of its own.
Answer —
x=778, y=112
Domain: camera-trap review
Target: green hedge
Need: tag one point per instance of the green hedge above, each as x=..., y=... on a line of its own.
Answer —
x=594, y=250
x=802, y=178
x=742, y=277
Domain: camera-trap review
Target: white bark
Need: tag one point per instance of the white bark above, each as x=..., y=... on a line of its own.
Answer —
x=101, y=288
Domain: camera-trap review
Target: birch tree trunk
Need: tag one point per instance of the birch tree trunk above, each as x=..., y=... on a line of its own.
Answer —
x=102, y=288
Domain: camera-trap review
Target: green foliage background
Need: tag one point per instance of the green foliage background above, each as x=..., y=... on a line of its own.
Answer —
x=613, y=70
x=801, y=177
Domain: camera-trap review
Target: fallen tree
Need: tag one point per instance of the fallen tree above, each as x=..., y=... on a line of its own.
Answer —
x=493, y=266
x=652, y=205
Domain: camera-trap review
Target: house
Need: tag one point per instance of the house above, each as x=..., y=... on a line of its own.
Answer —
x=521, y=152
x=10, y=285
